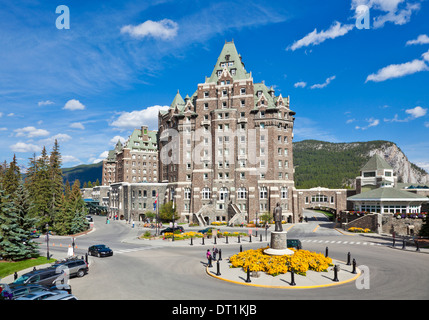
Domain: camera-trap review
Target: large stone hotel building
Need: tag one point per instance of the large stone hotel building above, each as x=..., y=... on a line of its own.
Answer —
x=226, y=150
x=222, y=154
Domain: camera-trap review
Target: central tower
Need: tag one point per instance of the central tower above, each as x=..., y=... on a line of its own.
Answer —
x=226, y=151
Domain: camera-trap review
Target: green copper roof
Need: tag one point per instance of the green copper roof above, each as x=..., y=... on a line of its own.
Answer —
x=177, y=101
x=230, y=58
x=134, y=141
x=376, y=163
x=387, y=193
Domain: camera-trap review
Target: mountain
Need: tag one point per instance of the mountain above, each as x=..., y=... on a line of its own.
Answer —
x=317, y=163
x=336, y=165
x=84, y=173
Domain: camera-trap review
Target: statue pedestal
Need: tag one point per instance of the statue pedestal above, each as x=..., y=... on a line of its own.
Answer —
x=278, y=244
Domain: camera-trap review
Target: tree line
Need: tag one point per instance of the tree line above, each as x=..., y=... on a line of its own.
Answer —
x=38, y=201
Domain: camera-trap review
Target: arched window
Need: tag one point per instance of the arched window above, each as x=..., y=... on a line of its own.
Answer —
x=223, y=194
x=187, y=193
x=241, y=193
x=206, y=193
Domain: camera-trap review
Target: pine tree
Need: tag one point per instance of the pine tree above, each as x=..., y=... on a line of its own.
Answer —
x=13, y=238
x=79, y=222
x=11, y=177
x=43, y=191
x=27, y=224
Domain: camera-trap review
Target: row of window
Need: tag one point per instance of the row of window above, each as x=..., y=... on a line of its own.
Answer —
x=241, y=193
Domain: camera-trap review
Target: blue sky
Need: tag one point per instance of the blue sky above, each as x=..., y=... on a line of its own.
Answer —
x=120, y=61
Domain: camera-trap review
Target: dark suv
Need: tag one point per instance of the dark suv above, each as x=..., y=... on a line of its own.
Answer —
x=294, y=243
x=76, y=267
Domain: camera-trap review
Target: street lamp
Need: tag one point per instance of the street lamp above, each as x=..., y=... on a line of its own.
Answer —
x=172, y=193
x=47, y=241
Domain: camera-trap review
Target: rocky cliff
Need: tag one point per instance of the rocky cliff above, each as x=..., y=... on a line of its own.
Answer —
x=336, y=165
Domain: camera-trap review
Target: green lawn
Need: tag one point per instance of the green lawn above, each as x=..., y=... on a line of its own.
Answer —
x=8, y=268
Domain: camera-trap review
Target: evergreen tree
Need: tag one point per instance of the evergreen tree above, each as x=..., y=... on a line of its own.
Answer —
x=27, y=224
x=13, y=238
x=78, y=207
x=11, y=177
x=43, y=190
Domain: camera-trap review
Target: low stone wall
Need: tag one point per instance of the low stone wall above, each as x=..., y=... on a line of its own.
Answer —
x=406, y=226
x=386, y=223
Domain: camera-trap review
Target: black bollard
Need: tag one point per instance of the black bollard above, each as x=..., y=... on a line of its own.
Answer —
x=220, y=254
x=326, y=252
x=241, y=248
x=226, y=240
x=86, y=257
x=348, y=259
x=248, y=275
x=292, y=278
x=417, y=246
x=250, y=238
x=403, y=243
x=260, y=237
x=203, y=240
x=336, y=273
x=215, y=239
x=354, y=267
x=239, y=239
x=15, y=276
x=191, y=242
x=218, y=268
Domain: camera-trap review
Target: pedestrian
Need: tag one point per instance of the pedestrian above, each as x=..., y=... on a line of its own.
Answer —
x=208, y=255
x=215, y=251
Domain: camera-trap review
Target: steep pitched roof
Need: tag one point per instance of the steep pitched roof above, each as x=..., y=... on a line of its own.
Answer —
x=229, y=58
x=134, y=141
x=376, y=163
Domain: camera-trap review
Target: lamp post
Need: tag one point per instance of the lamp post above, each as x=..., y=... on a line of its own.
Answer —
x=172, y=198
x=47, y=241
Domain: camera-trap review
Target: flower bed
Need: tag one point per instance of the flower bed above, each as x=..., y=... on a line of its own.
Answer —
x=421, y=215
x=301, y=261
x=218, y=223
x=359, y=230
x=183, y=236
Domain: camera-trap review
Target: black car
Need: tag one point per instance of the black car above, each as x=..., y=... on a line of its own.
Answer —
x=294, y=243
x=100, y=250
x=171, y=229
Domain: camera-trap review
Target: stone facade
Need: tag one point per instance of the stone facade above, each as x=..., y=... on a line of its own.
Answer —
x=334, y=200
x=131, y=201
x=135, y=161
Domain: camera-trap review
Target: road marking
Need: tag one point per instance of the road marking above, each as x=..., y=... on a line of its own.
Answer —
x=135, y=249
x=316, y=228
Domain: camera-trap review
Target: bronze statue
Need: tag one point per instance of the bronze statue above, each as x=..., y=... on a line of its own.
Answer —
x=278, y=218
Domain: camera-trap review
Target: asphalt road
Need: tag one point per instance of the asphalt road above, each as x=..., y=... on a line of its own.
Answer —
x=145, y=272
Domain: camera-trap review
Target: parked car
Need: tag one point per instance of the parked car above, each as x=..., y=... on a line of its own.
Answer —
x=294, y=243
x=19, y=290
x=76, y=267
x=46, y=277
x=62, y=296
x=206, y=230
x=42, y=295
x=100, y=250
x=169, y=229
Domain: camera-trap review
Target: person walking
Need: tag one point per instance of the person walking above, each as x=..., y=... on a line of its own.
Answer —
x=215, y=251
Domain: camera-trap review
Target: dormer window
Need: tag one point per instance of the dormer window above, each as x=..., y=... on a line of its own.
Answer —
x=219, y=72
x=233, y=72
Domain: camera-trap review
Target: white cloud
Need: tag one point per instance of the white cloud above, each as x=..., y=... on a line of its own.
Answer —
x=44, y=103
x=396, y=11
x=165, y=29
x=417, y=112
x=300, y=84
x=74, y=104
x=398, y=70
x=100, y=158
x=60, y=137
x=322, y=85
x=426, y=55
x=31, y=132
x=371, y=123
x=24, y=147
x=77, y=125
x=68, y=159
x=314, y=38
x=421, y=39
x=135, y=119
x=115, y=139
